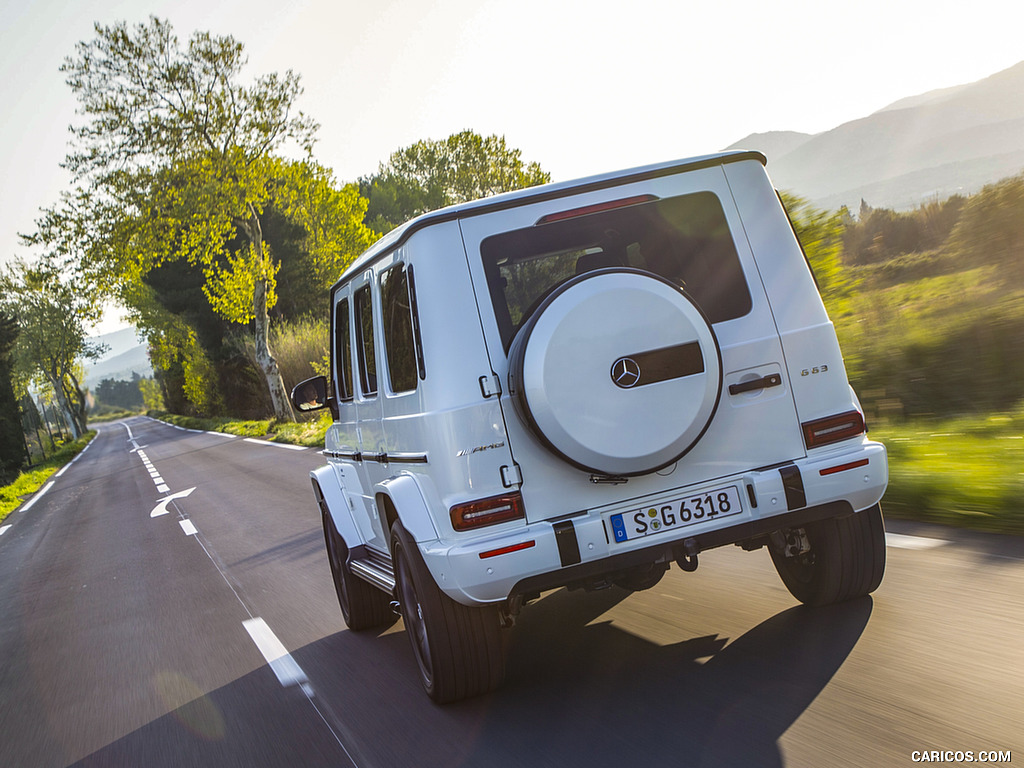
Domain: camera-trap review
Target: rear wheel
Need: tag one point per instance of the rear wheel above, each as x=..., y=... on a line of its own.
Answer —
x=844, y=558
x=458, y=649
x=362, y=605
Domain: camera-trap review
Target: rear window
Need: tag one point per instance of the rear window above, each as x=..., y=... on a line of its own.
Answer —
x=685, y=240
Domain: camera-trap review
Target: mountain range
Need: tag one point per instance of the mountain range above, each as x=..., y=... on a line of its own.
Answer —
x=124, y=355
x=930, y=146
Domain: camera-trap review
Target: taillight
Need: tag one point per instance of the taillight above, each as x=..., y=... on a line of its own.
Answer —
x=508, y=550
x=497, y=509
x=843, y=467
x=832, y=429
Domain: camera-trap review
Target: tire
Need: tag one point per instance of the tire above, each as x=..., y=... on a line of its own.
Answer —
x=362, y=605
x=846, y=559
x=459, y=650
x=618, y=372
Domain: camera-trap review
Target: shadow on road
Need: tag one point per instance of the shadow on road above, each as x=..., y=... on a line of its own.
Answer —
x=591, y=694
x=578, y=693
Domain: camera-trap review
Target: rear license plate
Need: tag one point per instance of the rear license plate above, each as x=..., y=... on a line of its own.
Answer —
x=680, y=513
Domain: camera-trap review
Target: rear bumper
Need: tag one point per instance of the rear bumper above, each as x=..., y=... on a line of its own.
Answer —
x=579, y=549
x=583, y=574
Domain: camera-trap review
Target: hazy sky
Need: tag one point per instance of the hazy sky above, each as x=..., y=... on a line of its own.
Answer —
x=581, y=87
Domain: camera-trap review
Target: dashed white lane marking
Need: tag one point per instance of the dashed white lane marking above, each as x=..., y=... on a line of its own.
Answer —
x=188, y=527
x=158, y=480
x=221, y=434
x=275, y=445
x=39, y=494
x=287, y=670
x=4, y=529
x=901, y=541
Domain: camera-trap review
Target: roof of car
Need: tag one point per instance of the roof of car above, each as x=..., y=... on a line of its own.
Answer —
x=400, y=234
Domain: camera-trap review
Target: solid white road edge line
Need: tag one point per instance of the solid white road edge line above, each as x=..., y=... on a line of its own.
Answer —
x=287, y=670
x=901, y=541
x=38, y=496
x=275, y=445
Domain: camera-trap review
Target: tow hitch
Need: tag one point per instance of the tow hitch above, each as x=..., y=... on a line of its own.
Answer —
x=686, y=555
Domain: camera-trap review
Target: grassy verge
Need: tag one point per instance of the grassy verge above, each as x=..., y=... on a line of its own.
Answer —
x=963, y=472
x=31, y=480
x=308, y=433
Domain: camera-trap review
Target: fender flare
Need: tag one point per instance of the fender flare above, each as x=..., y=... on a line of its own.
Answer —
x=335, y=503
x=403, y=493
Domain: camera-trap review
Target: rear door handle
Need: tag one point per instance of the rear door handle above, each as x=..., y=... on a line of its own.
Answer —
x=771, y=380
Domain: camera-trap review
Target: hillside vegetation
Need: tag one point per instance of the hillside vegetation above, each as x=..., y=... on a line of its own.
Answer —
x=934, y=323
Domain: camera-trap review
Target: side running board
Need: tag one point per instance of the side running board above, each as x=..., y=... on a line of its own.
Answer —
x=374, y=568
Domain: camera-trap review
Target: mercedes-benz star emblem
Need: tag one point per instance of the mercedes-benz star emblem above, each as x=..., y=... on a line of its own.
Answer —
x=625, y=372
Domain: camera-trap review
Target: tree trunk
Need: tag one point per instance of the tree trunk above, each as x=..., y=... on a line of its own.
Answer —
x=261, y=327
x=66, y=411
x=76, y=400
x=275, y=383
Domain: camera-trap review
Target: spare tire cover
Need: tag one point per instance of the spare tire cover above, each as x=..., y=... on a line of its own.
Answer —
x=618, y=372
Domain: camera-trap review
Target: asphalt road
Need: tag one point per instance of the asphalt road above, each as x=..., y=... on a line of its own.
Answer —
x=210, y=636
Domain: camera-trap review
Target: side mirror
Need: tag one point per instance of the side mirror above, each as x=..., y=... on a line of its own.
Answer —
x=310, y=395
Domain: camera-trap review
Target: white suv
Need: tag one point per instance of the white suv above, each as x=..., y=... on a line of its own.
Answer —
x=577, y=385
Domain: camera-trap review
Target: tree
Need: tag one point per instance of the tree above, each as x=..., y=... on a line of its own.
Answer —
x=991, y=229
x=119, y=393
x=31, y=421
x=178, y=161
x=432, y=174
x=12, y=437
x=52, y=317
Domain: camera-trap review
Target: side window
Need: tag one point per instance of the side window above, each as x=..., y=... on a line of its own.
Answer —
x=364, y=341
x=343, y=350
x=399, y=337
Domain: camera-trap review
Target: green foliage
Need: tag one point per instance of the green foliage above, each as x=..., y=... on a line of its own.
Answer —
x=330, y=217
x=30, y=481
x=152, y=397
x=230, y=290
x=963, y=472
x=177, y=161
x=52, y=315
x=119, y=393
x=991, y=229
x=821, y=235
x=880, y=234
x=939, y=331
x=301, y=345
x=432, y=174
x=12, y=443
x=308, y=433
x=149, y=99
